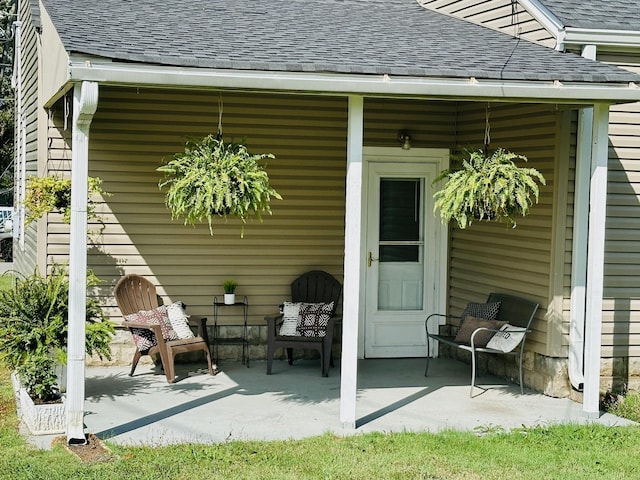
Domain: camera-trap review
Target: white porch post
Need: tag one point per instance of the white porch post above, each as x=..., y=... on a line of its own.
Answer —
x=595, y=260
x=352, y=254
x=85, y=102
x=580, y=237
x=579, y=248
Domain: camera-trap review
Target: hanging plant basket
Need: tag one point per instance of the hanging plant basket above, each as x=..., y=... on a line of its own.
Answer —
x=49, y=194
x=487, y=187
x=212, y=179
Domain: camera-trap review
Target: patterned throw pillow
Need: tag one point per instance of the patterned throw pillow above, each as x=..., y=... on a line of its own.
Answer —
x=179, y=320
x=290, y=319
x=144, y=339
x=481, y=339
x=488, y=311
x=160, y=317
x=313, y=319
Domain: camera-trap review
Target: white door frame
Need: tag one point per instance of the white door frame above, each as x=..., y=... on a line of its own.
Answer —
x=435, y=156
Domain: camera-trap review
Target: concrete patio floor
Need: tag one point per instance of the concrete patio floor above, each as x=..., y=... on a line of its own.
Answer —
x=243, y=403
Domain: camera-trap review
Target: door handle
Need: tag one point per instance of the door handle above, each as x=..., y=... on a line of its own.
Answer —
x=370, y=259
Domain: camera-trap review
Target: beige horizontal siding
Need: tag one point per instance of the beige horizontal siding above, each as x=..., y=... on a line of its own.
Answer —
x=134, y=130
x=488, y=257
x=495, y=14
x=25, y=259
x=621, y=312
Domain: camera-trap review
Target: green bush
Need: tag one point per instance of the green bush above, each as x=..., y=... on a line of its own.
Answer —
x=34, y=327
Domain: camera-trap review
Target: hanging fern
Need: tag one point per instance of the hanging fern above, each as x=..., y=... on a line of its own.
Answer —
x=48, y=194
x=211, y=179
x=487, y=188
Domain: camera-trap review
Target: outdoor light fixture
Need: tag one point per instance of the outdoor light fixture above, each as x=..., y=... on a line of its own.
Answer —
x=405, y=139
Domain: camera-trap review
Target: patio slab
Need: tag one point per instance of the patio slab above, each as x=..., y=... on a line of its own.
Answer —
x=243, y=403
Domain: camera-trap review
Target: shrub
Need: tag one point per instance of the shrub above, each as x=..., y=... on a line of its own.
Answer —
x=34, y=328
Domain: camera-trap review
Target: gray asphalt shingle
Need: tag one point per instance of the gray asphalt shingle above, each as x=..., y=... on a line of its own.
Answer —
x=396, y=37
x=597, y=14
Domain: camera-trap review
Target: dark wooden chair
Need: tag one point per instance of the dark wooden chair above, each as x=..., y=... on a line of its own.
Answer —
x=315, y=286
x=134, y=293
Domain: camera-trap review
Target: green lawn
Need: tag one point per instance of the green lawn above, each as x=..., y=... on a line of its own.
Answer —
x=557, y=452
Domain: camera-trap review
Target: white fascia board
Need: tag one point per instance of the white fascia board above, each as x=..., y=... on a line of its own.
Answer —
x=542, y=14
x=349, y=84
x=600, y=37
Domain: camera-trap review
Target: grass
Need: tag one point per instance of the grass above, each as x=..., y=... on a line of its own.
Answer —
x=556, y=452
x=562, y=452
x=625, y=405
x=6, y=280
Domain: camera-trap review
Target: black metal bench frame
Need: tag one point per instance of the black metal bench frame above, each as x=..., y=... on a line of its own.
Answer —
x=517, y=311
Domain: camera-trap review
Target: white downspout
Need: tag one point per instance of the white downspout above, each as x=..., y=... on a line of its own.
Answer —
x=352, y=255
x=595, y=260
x=580, y=237
x=19, y=137
x=85, y=102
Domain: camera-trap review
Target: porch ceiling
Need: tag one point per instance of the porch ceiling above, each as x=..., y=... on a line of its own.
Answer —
x=375, y=40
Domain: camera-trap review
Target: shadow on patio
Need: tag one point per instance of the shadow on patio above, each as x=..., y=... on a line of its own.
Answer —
x=243, y=403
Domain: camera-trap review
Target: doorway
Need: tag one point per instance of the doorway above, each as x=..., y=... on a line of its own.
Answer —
x=404, y=245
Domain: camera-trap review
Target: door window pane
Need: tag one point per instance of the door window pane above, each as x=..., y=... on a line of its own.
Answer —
x=399, y=209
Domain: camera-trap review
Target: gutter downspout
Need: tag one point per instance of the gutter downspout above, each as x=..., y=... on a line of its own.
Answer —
x=580, y=241
x=85, y=102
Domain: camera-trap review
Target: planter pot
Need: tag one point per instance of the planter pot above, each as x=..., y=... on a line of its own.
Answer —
x=229, y=298
x=44, y=419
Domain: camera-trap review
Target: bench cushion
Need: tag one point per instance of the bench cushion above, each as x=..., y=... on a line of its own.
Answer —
x=471, y=324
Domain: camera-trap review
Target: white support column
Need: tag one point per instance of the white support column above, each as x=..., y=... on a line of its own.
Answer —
x=85, y=102
x=595, y=260
x=579, y=247
x=352, y=255
x=580, y=237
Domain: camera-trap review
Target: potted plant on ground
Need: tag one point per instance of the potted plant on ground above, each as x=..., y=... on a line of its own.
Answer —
x=211, y=178
x=33, y=340
x=487, y=187
x=229, y=287
x=49, y=194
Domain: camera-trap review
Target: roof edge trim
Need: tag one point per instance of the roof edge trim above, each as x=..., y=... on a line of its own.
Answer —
x=375, y=85
x=542, y=14
x=585, y=36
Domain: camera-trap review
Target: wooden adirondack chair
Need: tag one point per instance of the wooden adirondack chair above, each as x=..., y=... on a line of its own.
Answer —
x=133, y=294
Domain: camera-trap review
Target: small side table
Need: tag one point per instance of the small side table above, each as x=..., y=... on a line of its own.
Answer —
x=242, y=340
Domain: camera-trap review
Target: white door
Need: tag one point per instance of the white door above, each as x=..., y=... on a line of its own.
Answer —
x=402, y=262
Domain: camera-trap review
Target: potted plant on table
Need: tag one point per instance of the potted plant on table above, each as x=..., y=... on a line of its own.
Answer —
x=229, y=287
x=211, y=179
x=487, y=187
x=33, y=340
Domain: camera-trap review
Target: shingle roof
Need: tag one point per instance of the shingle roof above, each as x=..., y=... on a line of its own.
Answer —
x=597, y=14
x=396, y=37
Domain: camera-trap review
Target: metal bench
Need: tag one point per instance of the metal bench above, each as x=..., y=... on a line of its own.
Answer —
x=518, y=312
